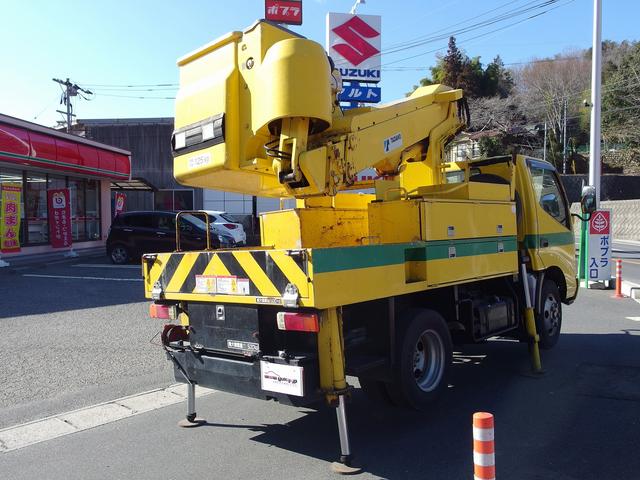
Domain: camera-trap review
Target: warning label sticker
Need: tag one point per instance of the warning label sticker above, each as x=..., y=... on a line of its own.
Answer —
x=205, y=284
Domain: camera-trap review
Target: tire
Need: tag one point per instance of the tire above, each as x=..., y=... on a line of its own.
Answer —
x=549, y=317
x=376, y=392
x=119, y=254
x=424, y=361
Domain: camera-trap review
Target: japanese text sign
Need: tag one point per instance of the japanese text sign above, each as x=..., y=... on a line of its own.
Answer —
x=59, y=217
x=352, y=93
x=283, y=11
x=600, y=245
x=10, y=217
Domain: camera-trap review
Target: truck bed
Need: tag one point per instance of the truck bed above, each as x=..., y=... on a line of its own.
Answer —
x=325, y=277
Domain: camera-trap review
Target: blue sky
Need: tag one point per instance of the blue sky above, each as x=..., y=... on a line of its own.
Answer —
x=137, y=43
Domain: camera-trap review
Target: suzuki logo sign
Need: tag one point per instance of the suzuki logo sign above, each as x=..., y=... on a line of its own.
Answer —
x=354, y=43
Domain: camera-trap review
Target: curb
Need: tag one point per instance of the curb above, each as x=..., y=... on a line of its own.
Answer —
x=36, y=431
x=631, y=290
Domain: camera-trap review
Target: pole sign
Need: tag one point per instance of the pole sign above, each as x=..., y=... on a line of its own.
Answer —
x=59, y=217
x=354, y=43
x=283, y=11
x=358, y=93
x=10, y=217
x=600, y=245
x=121, y=199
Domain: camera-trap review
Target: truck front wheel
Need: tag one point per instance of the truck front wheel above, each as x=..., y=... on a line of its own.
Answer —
x=549, y=318
x=424, y=360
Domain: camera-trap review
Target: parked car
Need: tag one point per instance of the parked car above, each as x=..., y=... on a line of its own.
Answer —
x=223, y=224
x=135, y=233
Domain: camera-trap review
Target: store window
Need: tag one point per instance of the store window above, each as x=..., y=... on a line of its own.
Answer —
x=84, y=201
x=35, y=200
x=77, y=195
x=92, y=209
x=173, y=200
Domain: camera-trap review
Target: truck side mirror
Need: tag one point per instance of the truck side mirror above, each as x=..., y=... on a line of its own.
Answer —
x=588, y=200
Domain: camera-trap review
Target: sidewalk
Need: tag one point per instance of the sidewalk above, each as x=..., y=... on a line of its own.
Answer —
x=49, y=257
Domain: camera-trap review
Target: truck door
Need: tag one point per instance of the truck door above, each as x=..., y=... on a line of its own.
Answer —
x=553, y=241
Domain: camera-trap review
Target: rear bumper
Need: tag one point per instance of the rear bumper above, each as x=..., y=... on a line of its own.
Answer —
x=242, y=377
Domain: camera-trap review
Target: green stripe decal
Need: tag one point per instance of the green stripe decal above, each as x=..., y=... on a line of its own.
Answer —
x=555, y=239
x=349, y=258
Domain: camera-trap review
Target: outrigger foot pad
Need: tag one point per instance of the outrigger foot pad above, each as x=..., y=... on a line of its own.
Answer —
x=345, y=466
x=191, y=421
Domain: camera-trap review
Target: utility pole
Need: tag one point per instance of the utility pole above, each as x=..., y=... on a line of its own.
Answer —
x=596, y=79
x=71, y=90
x=544, y=148
x=564, y=140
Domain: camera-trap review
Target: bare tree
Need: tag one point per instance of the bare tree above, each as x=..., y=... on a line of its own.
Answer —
x=545, y=84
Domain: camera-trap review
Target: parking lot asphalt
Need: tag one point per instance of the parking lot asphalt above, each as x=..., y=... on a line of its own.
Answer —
x=577, y=421
x=74, y=333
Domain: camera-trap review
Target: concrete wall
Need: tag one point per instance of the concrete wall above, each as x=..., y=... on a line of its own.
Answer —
x=612, y=187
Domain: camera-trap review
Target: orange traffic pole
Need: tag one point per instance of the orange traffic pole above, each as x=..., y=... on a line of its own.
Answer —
x=618, y=279
x=484, y=461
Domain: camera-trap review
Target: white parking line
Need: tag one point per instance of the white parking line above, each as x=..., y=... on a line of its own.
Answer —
x=99, y=265
x=83, y=278
x=30, y=433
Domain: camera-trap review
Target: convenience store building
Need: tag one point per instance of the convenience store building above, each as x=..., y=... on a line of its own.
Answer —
x=39, y=159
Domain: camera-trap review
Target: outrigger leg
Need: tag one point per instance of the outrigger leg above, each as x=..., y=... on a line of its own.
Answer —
x=344, y=466
x=191, y=420
x=334, y=384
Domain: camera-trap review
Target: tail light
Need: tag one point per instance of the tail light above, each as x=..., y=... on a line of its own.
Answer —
x=299, y=322
x=163, y=312
x=230, y=226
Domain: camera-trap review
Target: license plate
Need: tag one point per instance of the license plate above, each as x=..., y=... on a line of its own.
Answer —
x=286, y=379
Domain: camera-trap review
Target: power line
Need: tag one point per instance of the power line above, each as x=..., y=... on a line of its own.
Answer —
x=419, y=41
x=488, y=33
x=485, y=23
x=137, y=97
x=132, y=85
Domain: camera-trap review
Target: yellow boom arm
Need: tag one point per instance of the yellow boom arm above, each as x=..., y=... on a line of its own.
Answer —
x=257, y=113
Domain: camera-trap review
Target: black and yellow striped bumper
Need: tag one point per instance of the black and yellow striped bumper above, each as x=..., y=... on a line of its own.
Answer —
x=240, y=276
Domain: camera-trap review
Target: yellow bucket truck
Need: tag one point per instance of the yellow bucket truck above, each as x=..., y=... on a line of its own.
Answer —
x=369, y=285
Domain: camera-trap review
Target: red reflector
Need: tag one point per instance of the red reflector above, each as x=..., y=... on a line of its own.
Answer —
x=300, y=322
x=164, y=312
x=230, y=226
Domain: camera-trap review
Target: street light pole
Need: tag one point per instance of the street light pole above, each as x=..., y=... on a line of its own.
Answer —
x=595, y=163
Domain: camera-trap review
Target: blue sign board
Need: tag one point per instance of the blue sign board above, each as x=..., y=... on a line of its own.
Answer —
x=357, y=93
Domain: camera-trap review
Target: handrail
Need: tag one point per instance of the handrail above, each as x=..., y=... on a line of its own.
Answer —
x=192, y=212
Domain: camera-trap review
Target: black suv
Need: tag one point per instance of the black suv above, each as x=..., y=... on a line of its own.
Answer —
x=135, y=233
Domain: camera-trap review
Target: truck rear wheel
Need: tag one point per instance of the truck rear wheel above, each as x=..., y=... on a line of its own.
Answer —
x=549, y=317
x=424, y=361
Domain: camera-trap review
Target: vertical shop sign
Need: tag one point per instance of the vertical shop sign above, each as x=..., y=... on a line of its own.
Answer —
x=59, y=217
x=10, y=217
x=600, y=245
x=121, y=199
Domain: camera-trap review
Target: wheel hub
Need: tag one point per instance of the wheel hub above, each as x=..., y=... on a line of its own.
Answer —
x=551, y=315
x=428, y=360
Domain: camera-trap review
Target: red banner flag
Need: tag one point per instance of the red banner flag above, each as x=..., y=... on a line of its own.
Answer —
x=121, y=199
x=59, y=218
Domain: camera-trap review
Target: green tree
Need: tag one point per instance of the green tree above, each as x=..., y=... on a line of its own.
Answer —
x=457, y=70
x=497, y=79
x=453, y=65
x=621, y=100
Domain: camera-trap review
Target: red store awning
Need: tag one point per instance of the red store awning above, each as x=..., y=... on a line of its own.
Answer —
x=28, y=144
